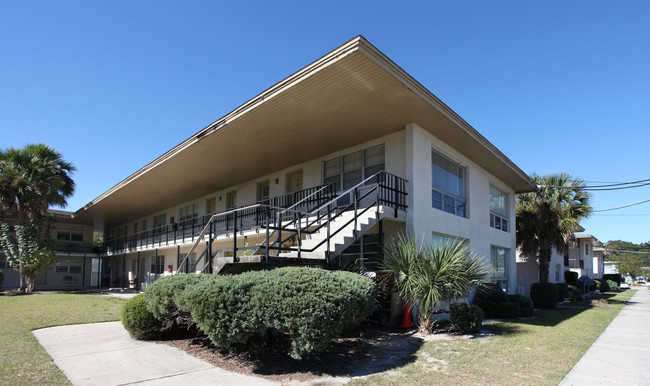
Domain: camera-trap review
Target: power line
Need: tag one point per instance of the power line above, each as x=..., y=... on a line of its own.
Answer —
x=604, y=187
x=622, y=206
x=626, y=251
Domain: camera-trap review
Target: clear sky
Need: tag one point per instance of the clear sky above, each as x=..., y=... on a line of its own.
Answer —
x=555, y=85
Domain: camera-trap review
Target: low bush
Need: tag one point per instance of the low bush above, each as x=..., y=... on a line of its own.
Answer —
x=570, y=277
x=613, y=286
x=466, y=318
x=604, y=286
x=508, y=310
x=2, y=278
x=162, y=297
x=615, y=277
x=526, y=307
x=574, y=293
x=543, y=295
x=490, y=309
x=561, y=291
x=491, y=292
x=304, y=308
x=138, y=320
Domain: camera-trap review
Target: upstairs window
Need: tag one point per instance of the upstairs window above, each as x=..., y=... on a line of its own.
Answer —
x=347, y=171
x=159, y=220
x=498, y=209
x=189, y=212
x=449, y=190
x=76, y=235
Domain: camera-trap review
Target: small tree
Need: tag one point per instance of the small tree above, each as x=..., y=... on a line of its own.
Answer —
x=31, y=179
x=629, y=264
x=426, y=276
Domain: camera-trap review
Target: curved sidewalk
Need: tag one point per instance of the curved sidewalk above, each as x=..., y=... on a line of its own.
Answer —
x=105, y=354
x=620, y=355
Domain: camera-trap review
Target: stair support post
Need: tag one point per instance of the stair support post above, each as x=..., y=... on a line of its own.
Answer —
x=268, y=223
x=234, y=237
x=329, y=218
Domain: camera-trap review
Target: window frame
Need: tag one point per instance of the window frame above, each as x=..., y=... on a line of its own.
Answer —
x=497, y=220
x=495, y=270
x=365, y=170
x=444, y=200
x=156, y=263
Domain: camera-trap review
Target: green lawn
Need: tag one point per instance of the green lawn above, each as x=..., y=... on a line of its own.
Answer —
x=522, y=351
x=22, y=360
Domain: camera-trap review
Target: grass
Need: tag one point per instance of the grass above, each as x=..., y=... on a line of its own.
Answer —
x=22, y=360
x=538, y=351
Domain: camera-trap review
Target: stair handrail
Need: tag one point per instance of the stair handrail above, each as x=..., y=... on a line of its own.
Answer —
x=345, y=193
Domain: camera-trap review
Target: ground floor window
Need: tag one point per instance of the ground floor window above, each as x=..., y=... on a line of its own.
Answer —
x=444, y=240
x=158, y=265
x=71, y=265
x=499, y=259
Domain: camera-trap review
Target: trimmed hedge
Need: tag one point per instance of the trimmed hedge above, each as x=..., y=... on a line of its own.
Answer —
x=497, y=304
x=561, y=291
x=604, y=286
x=138, y=320
x=615, y=277
x=2, y=278
x=466, y=318
x=544, y=295
x=570, y=277
x=163, y=295
x=303, y=307
x=574, y=293
x=613, y=286
x=526, y=307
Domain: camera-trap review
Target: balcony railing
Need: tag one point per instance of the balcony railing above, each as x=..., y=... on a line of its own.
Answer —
x=78, y=247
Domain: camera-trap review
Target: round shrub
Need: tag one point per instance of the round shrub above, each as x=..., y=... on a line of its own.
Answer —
x=490, y=309
x=570, y=277
x=162, y=297
x=491, y=292
x=604, y=286
x=526, y=307
x=613, y=286
x=306, y=307
x=574, y=293
x=543, y=295
x=466, y=318
x=138, y=320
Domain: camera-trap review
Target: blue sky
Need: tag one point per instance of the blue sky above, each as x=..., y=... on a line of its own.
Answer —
x=555, y=85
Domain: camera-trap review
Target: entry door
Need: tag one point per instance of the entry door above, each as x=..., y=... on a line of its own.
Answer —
x=231, y=203
x=294, y=184
x=96, y=272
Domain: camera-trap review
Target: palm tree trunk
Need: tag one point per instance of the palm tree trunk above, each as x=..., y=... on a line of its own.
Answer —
x=544, y=263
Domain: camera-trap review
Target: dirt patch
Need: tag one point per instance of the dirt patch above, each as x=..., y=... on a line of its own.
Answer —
x=364, y=351
x=599, y=303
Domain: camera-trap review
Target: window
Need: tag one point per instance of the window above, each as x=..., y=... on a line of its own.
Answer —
x=558, y=269
x=449, y=185
x=76, y=235
x=159, y=220
x=587, y=249
x=191, y=262
x=440, y=239
x=210, y=205
x=189, y=212
x=349, y=170
x=71, y=265
x=157, y=264
x=498, y=209
x=499, y=257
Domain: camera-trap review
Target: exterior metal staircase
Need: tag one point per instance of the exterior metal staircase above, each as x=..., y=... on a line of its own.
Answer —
x=321, y=225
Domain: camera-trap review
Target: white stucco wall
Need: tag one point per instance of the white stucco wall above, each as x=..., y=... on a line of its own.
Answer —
x=423, y=220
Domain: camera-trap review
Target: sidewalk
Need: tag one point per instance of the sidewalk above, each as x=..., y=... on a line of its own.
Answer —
x=105, y=354
x=620, y=355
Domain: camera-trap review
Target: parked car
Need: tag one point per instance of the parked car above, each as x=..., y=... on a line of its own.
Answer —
x=625, y=285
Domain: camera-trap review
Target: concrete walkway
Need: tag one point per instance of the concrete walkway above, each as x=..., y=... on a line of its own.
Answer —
x=105, y=354
x=620, y=355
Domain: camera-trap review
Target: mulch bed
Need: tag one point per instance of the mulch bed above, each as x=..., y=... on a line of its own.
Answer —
x=366, y=350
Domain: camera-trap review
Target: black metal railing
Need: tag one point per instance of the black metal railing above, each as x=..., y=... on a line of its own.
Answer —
x=290, y=224
x=78, y=247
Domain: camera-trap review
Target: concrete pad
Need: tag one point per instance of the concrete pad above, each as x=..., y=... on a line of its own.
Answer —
x=105, y=354
x=619, y=355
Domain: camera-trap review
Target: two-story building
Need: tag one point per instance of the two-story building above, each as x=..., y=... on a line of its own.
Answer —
x=324, y=166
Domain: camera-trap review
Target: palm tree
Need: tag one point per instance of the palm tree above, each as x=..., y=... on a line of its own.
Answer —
x=546, y=219
x=426, y=276
x=31, y=180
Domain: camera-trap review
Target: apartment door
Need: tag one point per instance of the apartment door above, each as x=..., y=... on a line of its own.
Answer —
x=96, y=272
x=294, y=184
x=262, y=198
x=231, y=203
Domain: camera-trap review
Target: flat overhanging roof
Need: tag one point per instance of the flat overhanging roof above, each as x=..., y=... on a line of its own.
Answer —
x=349, y=96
